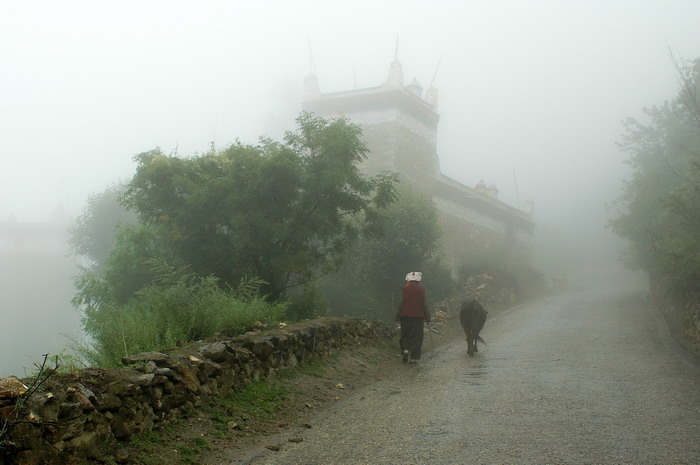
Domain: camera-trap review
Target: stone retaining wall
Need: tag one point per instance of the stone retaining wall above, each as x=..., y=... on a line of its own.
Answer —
x=82, y=414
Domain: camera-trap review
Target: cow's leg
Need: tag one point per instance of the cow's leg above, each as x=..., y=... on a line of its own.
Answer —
x=463, y=322
x=470, y=344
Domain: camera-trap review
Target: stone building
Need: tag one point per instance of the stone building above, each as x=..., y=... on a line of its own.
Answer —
x=399, y=124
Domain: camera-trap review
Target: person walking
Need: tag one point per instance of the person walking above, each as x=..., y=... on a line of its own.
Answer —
x=412, y=314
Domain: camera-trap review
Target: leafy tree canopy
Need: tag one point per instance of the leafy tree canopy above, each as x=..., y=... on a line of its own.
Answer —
x=94, y=233
x=659, y=210
x=281, y=212
x=406, y=238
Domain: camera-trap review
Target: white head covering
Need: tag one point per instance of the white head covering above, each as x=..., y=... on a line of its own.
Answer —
x=414, y=276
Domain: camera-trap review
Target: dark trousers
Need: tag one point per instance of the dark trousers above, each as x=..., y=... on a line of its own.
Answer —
x=411, y=335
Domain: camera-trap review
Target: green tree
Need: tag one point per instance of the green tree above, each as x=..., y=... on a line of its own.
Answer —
x=127, y=268
x=659, y=211
x=117, y=250
x=405, y=238
x=95, y=231
x=278, y=215
x=282, y=212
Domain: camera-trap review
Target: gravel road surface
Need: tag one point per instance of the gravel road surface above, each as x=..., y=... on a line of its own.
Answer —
x=583, y=378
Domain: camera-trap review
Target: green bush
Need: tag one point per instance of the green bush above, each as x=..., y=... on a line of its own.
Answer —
x=309, y=303
x=404, y=237
x=177, y=307
x=439, y=282
x=659, y=210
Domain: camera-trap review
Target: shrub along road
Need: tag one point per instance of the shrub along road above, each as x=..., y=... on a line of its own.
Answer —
x=581, y=378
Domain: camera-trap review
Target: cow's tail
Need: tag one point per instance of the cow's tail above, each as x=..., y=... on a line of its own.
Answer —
x=481, y=340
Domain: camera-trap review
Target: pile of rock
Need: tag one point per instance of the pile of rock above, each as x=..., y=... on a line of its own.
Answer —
x=11, y=389
x=82, y=414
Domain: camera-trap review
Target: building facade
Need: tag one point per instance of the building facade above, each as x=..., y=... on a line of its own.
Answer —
x=399, y=124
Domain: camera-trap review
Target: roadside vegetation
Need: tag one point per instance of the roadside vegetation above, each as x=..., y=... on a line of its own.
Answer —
x=174, y=308
x=233, y=239
x=368, y=283
x=660, y=209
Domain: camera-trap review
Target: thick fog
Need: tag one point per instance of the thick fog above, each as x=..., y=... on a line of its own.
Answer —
x=531, y=98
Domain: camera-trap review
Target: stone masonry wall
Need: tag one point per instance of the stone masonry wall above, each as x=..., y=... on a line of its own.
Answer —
x=82, y=414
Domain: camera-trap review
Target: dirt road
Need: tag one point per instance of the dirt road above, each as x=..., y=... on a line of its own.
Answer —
x=582, y=378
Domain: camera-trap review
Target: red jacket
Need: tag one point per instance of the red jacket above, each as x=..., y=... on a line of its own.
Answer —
x=413, y=303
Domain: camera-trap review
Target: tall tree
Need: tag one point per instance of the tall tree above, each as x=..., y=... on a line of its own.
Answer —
x=660, y=208
x=283, y=212
x=95, y=231
x=405, y=238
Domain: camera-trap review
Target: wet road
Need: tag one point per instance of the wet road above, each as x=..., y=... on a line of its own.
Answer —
x=582, y=378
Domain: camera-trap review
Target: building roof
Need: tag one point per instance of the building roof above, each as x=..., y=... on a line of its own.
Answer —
x=373, y=98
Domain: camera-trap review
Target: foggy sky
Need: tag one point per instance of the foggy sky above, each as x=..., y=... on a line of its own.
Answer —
x=531, y=92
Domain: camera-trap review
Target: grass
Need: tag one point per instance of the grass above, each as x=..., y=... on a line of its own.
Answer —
x=149, y=437
x=176, y=307
x=147, y=444
x=150, y=443
x=200, y=443
x=315, y=368
x=260, y=399
x=187, y=455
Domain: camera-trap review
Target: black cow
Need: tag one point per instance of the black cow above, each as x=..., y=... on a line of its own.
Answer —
x=472, y=316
